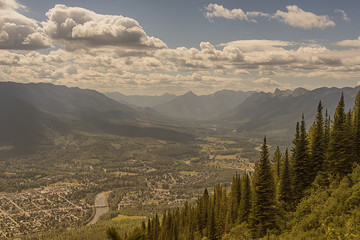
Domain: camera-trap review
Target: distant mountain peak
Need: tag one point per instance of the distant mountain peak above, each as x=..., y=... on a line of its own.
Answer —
x=190, y=93
x=299, y=91
x=285, y=93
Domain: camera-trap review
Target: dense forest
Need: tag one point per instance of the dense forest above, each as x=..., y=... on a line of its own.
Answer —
x=309, y=192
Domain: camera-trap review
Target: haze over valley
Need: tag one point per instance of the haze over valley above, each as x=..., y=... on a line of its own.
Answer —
x=179, y=120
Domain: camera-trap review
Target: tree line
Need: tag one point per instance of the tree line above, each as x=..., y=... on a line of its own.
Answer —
x=257, y=203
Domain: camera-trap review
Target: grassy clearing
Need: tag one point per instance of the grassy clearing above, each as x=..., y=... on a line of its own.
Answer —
x=192, y=173
x=121, y=217
x=217, y=140
x=226, y=157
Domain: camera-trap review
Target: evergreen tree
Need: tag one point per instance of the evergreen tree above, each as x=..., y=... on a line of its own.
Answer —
x=220, y=212
x=327, y=124
x=212, y=225
x=149, y=232
x=156, y=227
x=356, y=124
x=285, y=189
x=223, y=213
x=263, y=208
x=317, y=144
x=340, y=154
x=277, y=164
x=245, y=203
x=235, y=197
x=295, y=142
x=203, y=208
x=301, y=165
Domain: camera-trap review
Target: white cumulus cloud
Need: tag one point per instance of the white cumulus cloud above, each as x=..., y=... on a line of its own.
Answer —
x=216, y=11
x=19, y=32
x=295, y=16
x=350, y=43
x=78, y=28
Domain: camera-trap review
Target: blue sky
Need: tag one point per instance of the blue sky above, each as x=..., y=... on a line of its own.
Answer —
x=153, y=47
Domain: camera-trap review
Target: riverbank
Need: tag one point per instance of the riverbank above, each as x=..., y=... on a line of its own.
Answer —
x=101, y=206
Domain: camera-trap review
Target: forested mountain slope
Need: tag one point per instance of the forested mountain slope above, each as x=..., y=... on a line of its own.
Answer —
x=273, y=114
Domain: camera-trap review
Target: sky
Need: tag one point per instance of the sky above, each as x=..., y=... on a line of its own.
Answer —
x=152, y=47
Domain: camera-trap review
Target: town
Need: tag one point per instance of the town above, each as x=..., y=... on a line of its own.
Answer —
x=40, y=209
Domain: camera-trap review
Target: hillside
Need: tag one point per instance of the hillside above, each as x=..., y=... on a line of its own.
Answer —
x=194, y=107
x=28, y=109
x=61, y=99
x=274, y=113
x=20, y=123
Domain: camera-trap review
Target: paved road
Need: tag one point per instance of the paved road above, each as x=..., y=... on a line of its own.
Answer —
x=100, y=200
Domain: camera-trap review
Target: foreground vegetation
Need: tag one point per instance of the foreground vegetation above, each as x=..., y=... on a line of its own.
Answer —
x=313, y=194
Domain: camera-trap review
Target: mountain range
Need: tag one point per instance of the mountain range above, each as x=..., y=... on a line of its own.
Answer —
x=29, y=110
x=188, y=106
x=193, y=107
x=256, y=113
x=274, y=114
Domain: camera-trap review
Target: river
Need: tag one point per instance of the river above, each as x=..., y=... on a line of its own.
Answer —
x=101, y=207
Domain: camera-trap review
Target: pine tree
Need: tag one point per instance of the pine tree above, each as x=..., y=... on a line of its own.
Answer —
x=245, y=203
x=296, y=141
x=202, y=209
x=340, y=154
x=220, y=212
x=235, y=196
x=301, y=165
x=277, y=164
x=285, y=189
x=212, y=225
x=327, y=124
x=317, y=145
x=149, y=230
x=356, y=124
x=263, y=208
x=223, y=213
x=156, y=227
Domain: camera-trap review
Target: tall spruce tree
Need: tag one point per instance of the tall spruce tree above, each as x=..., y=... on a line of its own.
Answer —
x=203, y=211
x=212, y=234
x=295, y=142
x=263, y=209
x=317, y=144
x=245, y=202
x=327, y=124
x=340, y=154
x=285, y=189
x=276, y=160
x=301, y=164
x=235, y=196
x=356, y=125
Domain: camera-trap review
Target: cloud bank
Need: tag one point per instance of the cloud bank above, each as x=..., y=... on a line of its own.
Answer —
x=295, y=16
x=108, y=53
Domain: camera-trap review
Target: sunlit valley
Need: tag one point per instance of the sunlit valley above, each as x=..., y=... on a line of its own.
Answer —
x=221, y=121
